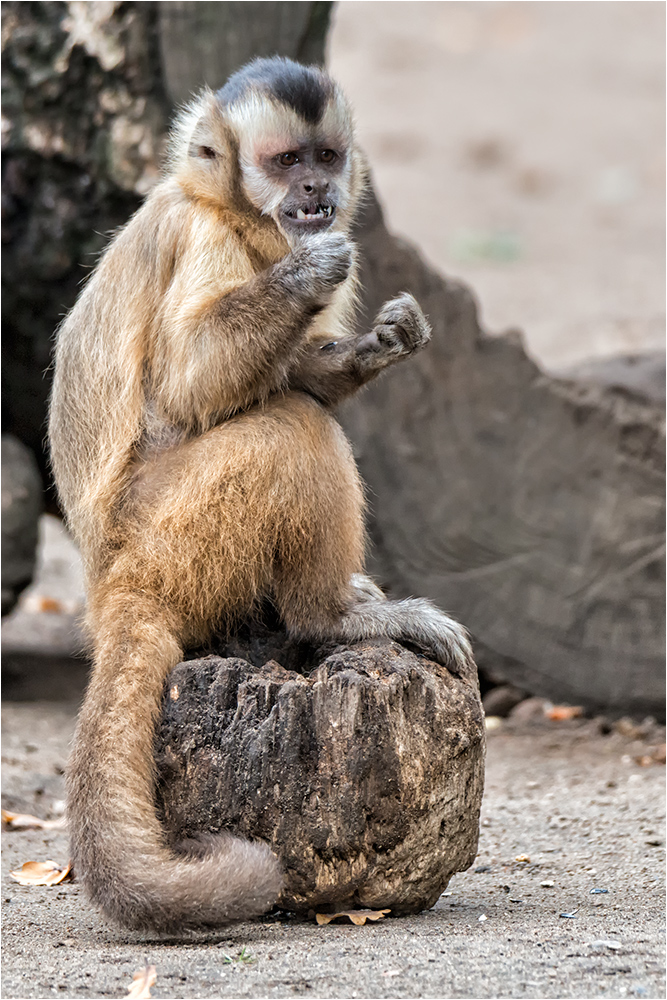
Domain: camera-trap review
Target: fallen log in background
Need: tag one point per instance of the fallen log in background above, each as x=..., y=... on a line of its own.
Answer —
x=365, y=773
x=530, y=507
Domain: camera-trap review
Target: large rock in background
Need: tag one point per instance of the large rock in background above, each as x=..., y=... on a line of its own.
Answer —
x=22, y=502
x=641, y=375
x=364, y=769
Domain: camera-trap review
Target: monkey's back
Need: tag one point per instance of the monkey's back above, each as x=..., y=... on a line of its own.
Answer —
x=97, y=399
x=104, y=351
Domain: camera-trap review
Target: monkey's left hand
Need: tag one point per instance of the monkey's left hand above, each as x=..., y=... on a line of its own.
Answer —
x=400, y=328
x=332, y=370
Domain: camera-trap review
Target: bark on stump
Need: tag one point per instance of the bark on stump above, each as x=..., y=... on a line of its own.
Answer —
x=364, y=774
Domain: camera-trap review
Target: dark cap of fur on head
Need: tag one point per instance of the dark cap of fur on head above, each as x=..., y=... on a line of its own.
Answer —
x=305, y=89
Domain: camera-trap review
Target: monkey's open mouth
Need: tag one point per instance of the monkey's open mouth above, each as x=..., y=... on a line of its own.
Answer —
x=313, y=216
x=321, y=212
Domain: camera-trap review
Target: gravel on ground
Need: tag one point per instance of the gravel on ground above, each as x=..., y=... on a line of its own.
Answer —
x=580, y=916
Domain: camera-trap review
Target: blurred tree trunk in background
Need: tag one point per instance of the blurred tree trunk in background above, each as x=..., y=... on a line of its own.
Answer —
x=84, y=114
x=205, y=42
x=531, y=508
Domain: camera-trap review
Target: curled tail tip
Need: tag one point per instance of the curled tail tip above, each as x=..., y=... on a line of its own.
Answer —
x=214, y=880
x=255, y=877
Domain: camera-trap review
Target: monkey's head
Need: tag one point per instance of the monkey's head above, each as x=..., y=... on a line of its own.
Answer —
x=279, y=136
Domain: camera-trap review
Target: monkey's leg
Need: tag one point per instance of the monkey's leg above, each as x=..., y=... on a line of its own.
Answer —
x=332, y=370
x=318, y=586
x=119, y=849
x=254, y=500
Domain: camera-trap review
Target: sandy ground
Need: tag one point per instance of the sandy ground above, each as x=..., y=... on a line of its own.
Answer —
x=571, y=800
x=522, y=147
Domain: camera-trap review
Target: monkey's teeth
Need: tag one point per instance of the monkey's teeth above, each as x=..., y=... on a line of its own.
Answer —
x=322, y=212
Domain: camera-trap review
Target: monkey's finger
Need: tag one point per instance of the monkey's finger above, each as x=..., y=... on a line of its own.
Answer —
x=330, y=258
x=402, y=338
x=404, y=312
x=403, y=308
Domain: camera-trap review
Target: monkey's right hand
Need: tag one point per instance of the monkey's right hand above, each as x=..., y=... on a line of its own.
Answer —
x=315, y=268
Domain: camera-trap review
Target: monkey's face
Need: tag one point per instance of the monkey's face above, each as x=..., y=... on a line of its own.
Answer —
x=279, y=136
x=299, y=172
x=307, y=179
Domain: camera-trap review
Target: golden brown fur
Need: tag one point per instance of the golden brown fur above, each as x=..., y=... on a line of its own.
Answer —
x=201, y=471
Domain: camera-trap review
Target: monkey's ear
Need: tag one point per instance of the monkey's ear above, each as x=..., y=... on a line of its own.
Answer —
x=208, y=140
x=206, y=153
x=212, y=140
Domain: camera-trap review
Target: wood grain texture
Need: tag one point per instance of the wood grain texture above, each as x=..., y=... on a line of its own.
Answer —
x=365, y=772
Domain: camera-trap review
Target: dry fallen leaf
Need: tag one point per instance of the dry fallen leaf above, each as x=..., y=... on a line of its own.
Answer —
x=522, y=859
x=24, y=821
x=50, y=605
x=654, y=755
x=42, y=604
x=559, y=713
x=142, y=982
x=41, y=873
x=357, y=917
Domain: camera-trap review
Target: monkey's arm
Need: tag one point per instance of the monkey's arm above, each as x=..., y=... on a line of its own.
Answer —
x=221, y=352
x=334, y=369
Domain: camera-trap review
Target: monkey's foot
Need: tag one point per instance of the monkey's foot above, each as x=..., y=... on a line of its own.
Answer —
x=435, y=634
x=413, y=620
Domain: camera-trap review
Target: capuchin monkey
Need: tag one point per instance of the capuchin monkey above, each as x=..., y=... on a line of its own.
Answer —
x=201, y=468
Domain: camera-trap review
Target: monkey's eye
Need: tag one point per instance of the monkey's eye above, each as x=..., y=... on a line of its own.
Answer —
x=207, y=153
x=328, y=156
x=287, y=159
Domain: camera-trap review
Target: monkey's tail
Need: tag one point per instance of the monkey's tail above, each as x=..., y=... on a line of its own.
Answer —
x=119, y=848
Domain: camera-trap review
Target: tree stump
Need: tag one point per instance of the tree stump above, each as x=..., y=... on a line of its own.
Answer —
x=363, y=769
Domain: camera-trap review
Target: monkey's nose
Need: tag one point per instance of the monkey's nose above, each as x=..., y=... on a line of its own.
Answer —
x=316, y=187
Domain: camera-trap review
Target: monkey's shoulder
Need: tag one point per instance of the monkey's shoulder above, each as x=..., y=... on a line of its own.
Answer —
x=175, y=230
